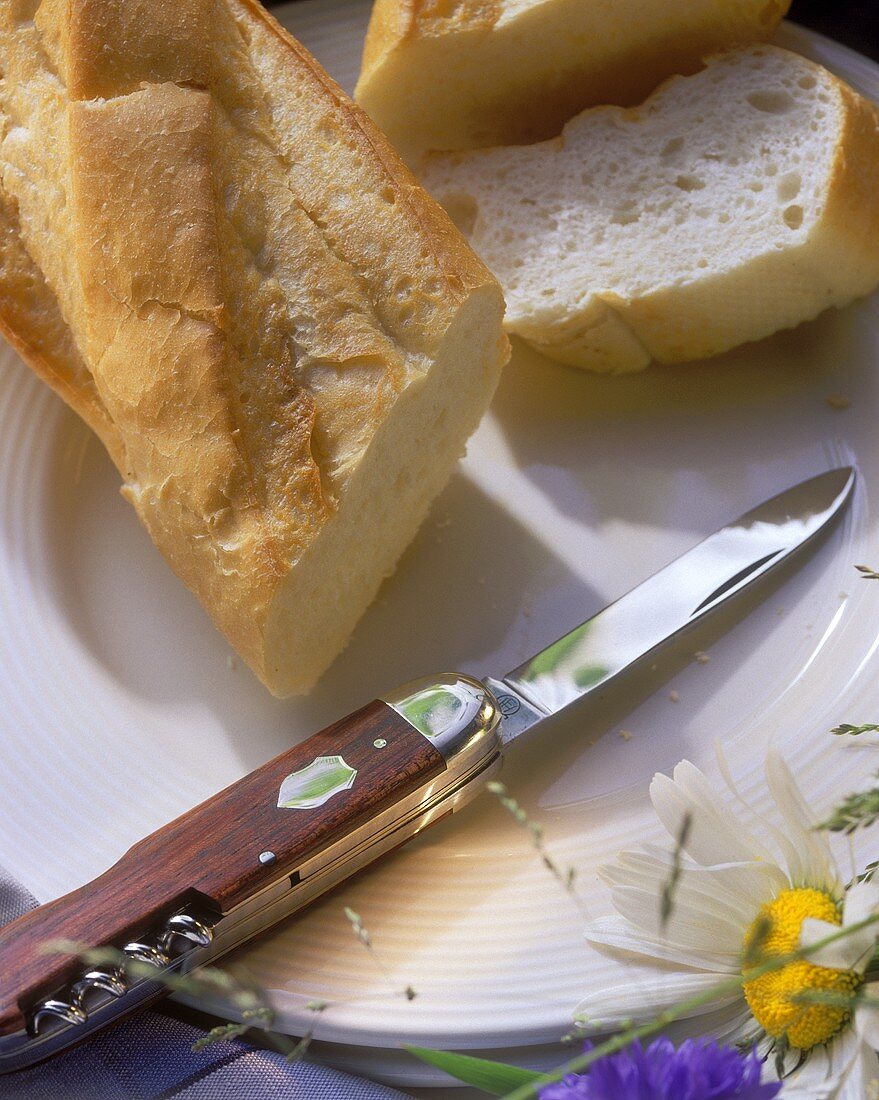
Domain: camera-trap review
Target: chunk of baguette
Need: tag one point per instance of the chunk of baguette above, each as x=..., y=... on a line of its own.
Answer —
x=220, y=263
x=440, y=76
x=733, y=203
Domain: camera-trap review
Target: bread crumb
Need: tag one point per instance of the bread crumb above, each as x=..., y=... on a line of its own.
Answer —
x=674, y=696
x=779, y=611
x=702, y=658
x=626, y=735
x=838, y=401
x=843, y=595
x=653, y=668
x=231, y=663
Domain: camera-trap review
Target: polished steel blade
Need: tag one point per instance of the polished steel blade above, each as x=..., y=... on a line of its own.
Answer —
x=671, y=600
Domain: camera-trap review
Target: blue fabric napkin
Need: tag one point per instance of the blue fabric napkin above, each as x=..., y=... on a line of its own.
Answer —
x=149, y=1057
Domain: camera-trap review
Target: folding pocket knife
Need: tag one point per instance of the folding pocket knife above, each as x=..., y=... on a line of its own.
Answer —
x=271, y=843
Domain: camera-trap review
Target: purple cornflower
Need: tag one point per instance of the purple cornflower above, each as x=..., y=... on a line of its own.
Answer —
x=696, y=1070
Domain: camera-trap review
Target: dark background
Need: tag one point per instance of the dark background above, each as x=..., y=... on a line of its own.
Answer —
x=854, y=22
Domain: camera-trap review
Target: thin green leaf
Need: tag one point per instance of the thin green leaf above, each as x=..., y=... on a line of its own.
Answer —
x=566, y=877
x=666, y=904
x=837, y=997
x=221, y=1034
x=854, y=731
x=356, y=923
x=761, y=930
x=857, y=811
x=492, y=1077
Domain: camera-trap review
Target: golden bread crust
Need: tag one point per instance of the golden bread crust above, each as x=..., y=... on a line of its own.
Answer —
x=31, y=321
x=245, y=280
x=112, y=48
x=438, y=76
x=852, y=212
x=429, y=235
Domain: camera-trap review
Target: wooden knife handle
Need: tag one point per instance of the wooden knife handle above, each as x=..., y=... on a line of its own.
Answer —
x=267, y=825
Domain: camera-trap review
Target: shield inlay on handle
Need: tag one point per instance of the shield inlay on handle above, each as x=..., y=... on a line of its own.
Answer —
x=316, y=783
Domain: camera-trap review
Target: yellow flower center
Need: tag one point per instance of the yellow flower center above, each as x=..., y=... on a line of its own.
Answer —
x=773, y=997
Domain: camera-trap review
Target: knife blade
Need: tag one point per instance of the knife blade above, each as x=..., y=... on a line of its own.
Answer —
x=671, y=601
x=267, y=846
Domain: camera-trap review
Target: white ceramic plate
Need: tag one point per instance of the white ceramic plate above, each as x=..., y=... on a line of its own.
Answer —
x=120, y=707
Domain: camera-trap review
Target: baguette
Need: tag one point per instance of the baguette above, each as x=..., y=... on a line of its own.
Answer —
x=504, y=72
x=733, y=203
x=216, y=259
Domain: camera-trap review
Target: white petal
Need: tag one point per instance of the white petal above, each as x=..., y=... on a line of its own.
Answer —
x=837, y=1071
x=638, y=868
x=867, y=1017
x=861, y=902
x=856, y=1075
x=855, y=950
x=728, y=1025
x=689, y=924
x=808, y=850
x=851, y=952
x=765, y=824
x=732, y=1026
x=727, y=892
x=617, y=935
x=842, y=1070
x=711, y=907
x=644, y=996
x=765, y=1046
x=819, y=1075
x=801, y=1090
x=711, y=910
x=742, y=886
x=805, y=854
x=749, y=884
x=715, y=834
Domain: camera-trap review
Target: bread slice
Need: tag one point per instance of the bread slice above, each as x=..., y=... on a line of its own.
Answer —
x=220, y=263
x=439, y=76
x=733, y=203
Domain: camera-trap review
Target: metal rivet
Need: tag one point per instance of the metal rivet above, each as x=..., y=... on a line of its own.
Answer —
x=148, y=953
x=56, y=1010
x=379, y=743
x=185, y=927
x=267, y=858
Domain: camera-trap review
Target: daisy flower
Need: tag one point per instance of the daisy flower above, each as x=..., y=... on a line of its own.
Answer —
x=745, y=883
